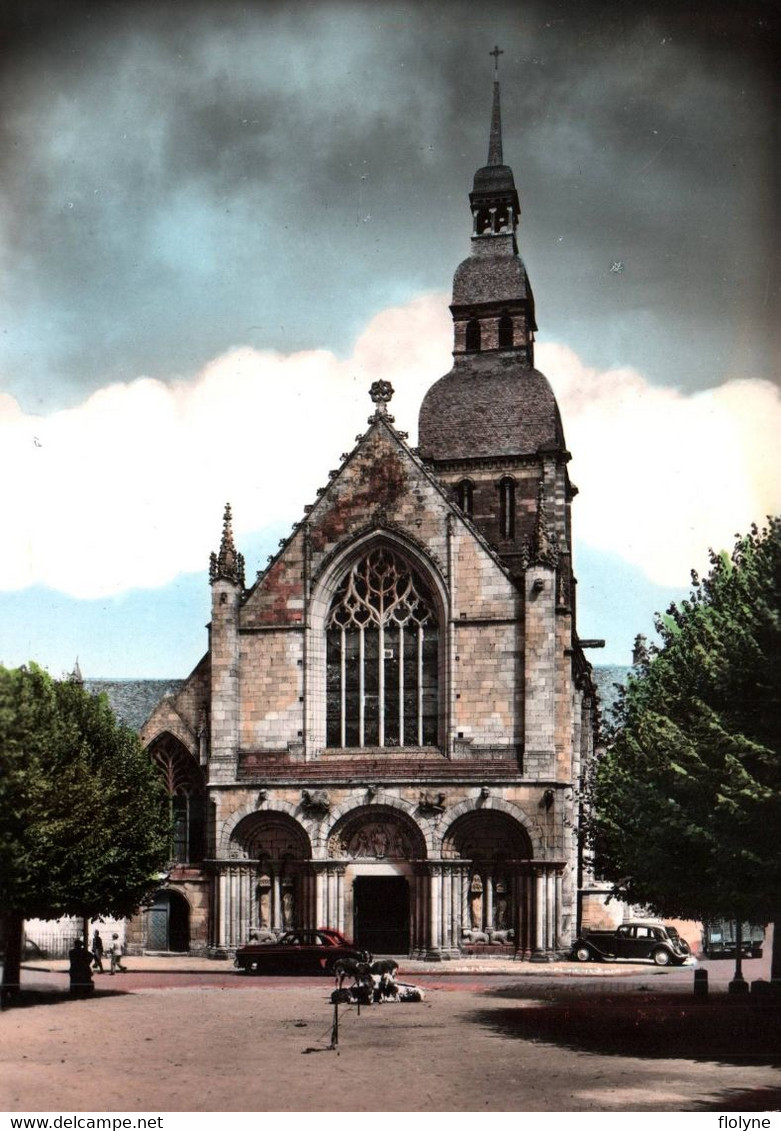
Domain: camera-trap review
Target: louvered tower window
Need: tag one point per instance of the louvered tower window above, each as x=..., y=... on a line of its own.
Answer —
x=465, y=495
x=382, y=656
x=507, y=508
x=473, y=334
x=505, y=332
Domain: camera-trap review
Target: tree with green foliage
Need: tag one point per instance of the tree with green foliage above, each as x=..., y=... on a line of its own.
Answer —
x=84, y=822
x=686, y=800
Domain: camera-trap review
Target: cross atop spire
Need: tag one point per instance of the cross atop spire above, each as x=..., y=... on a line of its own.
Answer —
x=495, y=156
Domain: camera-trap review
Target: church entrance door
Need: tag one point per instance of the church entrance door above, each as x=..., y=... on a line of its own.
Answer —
x=168, y=924
x=381, y=915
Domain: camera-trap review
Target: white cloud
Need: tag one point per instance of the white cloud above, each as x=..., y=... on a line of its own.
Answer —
x=664, y=475
x=127, y=489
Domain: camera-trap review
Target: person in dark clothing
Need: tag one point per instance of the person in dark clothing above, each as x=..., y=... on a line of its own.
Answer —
x=80, y=970
x=97, y=952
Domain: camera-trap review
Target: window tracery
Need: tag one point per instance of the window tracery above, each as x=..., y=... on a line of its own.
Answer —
x=184, y=784
x=382, y=656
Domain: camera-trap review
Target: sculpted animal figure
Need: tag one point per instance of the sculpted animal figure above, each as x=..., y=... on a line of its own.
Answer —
x=473, y=936
x=501, y=936
x=359, y=969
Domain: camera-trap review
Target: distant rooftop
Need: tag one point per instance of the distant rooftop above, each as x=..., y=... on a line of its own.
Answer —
x=606, y=677
x=133, y=700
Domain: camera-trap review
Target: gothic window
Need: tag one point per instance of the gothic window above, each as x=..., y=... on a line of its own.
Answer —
x=465, y=496
x=507, y=508
x=473, y=334
x=382, y=656
x=505, y=332
x=187, y=798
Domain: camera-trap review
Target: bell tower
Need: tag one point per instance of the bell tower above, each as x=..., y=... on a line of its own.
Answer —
x=490, y=429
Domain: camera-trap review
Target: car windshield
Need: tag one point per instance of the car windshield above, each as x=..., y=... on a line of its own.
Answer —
x=671, y=931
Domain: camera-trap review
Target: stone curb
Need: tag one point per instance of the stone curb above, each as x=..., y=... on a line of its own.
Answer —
x=487, y=967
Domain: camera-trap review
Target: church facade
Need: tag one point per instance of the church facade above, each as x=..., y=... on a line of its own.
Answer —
x=387, y=732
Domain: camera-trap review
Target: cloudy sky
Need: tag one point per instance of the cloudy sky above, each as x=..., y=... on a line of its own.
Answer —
x=220, y=222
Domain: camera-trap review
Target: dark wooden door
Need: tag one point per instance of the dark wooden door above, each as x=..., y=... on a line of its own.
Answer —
x=381, y=914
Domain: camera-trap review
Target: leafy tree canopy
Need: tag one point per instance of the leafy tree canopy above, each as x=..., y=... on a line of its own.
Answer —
x=686, y=800
x=84, y=825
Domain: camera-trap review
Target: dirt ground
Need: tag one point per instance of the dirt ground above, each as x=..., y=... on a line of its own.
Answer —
x=264, y=1047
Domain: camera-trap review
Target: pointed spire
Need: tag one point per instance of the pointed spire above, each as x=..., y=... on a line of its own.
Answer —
x=495, y=156
x=227, y=564
x=76, y=676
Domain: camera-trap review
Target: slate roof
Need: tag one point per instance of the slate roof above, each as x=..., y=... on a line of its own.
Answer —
x=606, y=677
x=492, y=406
x=133, y=700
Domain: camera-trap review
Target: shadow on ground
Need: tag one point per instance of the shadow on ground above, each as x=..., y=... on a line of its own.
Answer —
x=719, y=1028
x=757, y=1099
x=27, y=998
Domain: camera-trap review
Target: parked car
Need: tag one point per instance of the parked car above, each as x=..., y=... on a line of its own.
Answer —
x=634, y=941
x=719, y=939
x=296, y=952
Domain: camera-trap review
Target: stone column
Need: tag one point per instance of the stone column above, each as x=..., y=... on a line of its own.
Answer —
x=221, y=886
x=276, y=901
x=320, y=897
x=233, y=917
x=550, y=916
x=246, y=902
x=447, y=910
x=434, y=951
x=558, y=941
x=466, y=918
x=420, y=911
x=538, y=941
x=330, y=897
x=340, y=898
x=488, y=887
x=456, y=912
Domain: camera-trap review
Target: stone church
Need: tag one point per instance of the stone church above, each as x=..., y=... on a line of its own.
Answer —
x=387, y=730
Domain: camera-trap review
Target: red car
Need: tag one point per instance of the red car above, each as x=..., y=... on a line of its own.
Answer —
x=296, y=952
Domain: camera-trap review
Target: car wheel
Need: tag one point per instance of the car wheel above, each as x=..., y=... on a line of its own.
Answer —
x=583, y=953
x=661, y=957
x=253, y=968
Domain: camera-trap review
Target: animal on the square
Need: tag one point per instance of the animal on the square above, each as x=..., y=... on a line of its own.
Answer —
x=359, y=969
x=385, y=988
x=384, y=966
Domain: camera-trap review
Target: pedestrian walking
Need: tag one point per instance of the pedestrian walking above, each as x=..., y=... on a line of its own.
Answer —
x=115, y=951
x=97, y=953
x=80, y=970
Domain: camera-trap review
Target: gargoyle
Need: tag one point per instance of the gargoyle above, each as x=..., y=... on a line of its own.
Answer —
x=315, y=800
x=432, y=803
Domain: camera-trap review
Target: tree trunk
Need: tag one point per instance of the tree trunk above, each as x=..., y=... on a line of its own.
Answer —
x=13, y=931
x=775, y=962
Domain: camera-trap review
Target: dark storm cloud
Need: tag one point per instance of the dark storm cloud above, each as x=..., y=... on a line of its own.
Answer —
x=185, y=178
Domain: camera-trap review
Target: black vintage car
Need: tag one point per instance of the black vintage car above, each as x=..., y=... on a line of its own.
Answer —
x=634, y=941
